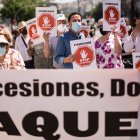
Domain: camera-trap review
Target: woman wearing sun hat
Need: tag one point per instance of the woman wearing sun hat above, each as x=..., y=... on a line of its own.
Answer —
x=9, y=58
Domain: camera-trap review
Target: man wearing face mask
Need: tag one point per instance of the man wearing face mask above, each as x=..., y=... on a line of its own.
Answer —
x=63, y=50
x=21, y=45
x=51, y=42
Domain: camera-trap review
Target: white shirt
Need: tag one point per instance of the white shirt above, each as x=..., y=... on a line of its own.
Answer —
x=129, y=44
x=20, y=46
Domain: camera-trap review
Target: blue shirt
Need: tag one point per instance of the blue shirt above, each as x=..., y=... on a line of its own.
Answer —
x=63, y=48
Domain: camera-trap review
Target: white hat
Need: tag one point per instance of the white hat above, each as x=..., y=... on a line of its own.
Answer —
x=61, y=17
x=3, y=39
x=21, y=24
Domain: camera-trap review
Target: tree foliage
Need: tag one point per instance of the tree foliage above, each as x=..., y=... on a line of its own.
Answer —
x=19, y=9
x=97, y=13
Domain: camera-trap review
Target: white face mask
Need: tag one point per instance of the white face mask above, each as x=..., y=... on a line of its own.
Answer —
x=61, y=28
x=76, y=26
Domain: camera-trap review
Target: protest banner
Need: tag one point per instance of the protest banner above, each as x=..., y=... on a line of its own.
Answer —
x=46, y=20
x=111, y=14
x=84, y=51
x=70, y=105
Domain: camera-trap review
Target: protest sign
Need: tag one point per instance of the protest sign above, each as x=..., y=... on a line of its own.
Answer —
x=136, y=60
x=46, y=20
x=84, y=51
x=33, y=32
x=111, y=14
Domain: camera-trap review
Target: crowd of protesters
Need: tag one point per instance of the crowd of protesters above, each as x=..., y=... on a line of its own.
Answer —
x=18, y=52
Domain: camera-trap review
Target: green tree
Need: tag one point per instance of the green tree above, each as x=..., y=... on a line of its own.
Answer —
x=97, y=13
x=19, y=9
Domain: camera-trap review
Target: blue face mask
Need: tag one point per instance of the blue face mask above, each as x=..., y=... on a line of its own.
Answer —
x=2, y=51
x=76, y=26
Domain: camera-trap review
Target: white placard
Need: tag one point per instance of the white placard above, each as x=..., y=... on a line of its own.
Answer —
x=111, y=14
x=70, y=105
x=85, y=53
x=123, y=32
x=85, y=30
x=46, y=20
x=33, y=32
x=136, y=60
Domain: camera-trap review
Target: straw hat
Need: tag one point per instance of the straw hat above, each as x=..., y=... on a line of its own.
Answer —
x=21, y=24
x=61, y=17
x=3, y=39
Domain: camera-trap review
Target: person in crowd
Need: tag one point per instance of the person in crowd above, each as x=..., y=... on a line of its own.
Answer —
x=51, y=42
x=108, y=48
x=133, y=41
x=63, y=51
x=9, y=57
x=40, y=61
x=5, y=31
x=127, y=57
x=92, y=28
x=15, y=34
x=21, y=45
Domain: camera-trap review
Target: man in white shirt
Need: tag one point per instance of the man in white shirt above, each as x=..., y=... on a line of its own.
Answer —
x=21, y=45
x=133, y=41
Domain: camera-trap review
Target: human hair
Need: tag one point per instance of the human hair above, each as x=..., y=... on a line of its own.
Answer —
x=5, y=31
x=72, y=14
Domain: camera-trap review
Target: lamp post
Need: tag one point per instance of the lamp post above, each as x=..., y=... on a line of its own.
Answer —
x=78, y=4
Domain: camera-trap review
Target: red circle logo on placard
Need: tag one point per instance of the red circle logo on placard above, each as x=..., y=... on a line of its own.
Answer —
x=122, y=31
x=84, y=56
x=46, y=22
x=111, y=15
x=33, y=31
x=84, y=32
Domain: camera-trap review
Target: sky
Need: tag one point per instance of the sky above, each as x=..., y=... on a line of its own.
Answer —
x=63, y=1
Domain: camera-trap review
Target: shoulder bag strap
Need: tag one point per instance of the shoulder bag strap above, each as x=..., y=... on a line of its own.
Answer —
x=24, y=41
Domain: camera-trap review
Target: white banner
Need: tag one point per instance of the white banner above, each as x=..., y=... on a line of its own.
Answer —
x=70, y=105
x=111, y=14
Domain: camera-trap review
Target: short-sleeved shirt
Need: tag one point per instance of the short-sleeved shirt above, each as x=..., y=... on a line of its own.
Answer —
x=13, y=59
x=129, y=44
x=21, y=47
x=106, y=56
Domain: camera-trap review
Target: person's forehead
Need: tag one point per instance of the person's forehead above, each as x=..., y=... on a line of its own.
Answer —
x=61, y=21
x=76, y=17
